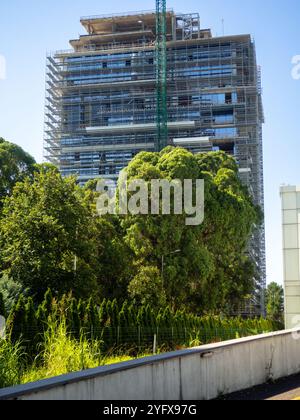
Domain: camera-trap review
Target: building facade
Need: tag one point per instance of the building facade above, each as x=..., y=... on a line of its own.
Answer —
x=290, y=198
x=101, y=99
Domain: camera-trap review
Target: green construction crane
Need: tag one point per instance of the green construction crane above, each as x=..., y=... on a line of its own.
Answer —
x=161, y=75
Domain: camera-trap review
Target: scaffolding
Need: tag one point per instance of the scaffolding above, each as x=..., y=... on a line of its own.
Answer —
x=101, y=107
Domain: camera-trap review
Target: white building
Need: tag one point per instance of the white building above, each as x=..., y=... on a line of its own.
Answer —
x=290, y=196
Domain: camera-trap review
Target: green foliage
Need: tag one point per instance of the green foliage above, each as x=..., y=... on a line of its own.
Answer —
x=45, y=237
x=10, y=291
x=2, y=306
x=211, y=271
x=77, y=286
x=113, y=268
x=10, y=363
x=50, y=238
x=275, y=302
x=65, y=335
x=131, y=326
x=63, y=354
x=45, y=167
x=14, y=164
x=16, y=322
x=147, y=288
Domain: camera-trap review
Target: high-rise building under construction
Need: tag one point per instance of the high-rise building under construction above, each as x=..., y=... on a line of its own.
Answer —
x=102, y=100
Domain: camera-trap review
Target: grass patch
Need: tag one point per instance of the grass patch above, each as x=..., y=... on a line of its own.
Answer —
x=10, y=369
x=63, y=354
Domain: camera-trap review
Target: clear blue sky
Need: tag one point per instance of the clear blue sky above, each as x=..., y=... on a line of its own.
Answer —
x=28, y=29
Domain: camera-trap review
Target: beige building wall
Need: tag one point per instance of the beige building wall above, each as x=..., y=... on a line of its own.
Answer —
x=290, y=197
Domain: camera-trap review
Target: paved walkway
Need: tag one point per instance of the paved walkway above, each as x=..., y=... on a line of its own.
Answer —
x=284, y=390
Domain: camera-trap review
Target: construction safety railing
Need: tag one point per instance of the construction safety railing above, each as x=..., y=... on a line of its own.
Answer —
x=124, y=14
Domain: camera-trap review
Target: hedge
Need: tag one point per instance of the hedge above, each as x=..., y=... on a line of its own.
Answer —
x=124, y=325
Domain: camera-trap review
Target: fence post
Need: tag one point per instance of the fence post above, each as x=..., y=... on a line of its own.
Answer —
x=154, y=344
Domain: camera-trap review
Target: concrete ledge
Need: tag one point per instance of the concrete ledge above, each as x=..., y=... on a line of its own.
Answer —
x=200, y=373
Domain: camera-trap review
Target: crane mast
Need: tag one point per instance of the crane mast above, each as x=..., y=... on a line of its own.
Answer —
x=161, y=76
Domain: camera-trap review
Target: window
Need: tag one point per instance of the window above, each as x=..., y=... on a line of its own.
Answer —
x=223, y=117
x=228, y=98
x=102, y=157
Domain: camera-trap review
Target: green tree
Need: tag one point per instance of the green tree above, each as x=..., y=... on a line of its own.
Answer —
x=147, y=288
x=31, y=332
x=205, y=267
x=16, y=323
x=15, y=164
x=11, y=291
x=47, y=236
x=275, y=302
x=114, y=258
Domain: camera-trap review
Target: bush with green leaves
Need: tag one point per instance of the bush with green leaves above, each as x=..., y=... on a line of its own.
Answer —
x=275, y=302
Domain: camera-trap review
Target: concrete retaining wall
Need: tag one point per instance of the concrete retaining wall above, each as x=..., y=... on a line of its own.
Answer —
x=198, y=374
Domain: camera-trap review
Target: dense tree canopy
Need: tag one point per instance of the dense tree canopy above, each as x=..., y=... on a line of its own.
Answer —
x=211, y=269
x=113, y=267
x=51, y=237
x=14, y=165
x=45, y=236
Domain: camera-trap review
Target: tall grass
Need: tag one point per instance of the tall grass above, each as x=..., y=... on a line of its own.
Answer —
x=62, y=354
x=10, y=363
